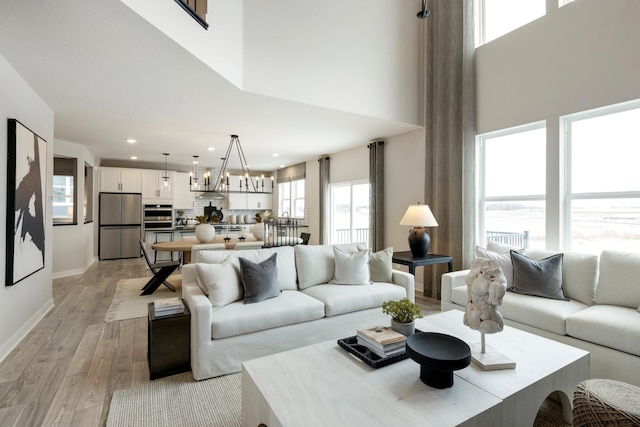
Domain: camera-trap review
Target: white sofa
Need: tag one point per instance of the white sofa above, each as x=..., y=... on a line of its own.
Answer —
x=601, y=315
x=308, y=309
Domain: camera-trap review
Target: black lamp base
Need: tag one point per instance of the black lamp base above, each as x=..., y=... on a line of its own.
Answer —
x=419, y=241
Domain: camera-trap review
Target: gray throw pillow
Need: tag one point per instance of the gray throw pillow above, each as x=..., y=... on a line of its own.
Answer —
x=260, y=281
x=538, y=278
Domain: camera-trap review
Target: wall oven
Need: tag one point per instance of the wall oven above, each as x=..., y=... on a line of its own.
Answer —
x=158, y=217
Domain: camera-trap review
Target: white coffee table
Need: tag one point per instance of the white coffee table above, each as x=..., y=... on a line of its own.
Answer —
x=323, y=385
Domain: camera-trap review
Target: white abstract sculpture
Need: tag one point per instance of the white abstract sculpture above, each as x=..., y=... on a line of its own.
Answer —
x=486, y=286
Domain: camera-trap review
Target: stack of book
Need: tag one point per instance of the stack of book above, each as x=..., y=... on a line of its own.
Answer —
x=382, y=340
x=168, y=306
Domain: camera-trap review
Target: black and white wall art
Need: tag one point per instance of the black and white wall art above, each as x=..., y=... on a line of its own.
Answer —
x=26, y=180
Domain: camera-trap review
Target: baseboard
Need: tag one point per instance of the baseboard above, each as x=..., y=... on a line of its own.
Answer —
x=74, y=272
x=21, y=333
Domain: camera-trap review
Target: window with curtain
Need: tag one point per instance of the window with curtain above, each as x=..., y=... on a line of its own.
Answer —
x=88, y=193
x=495, y=18
x=291, y=198
x=64, y=190
x=512, y=184
x=349, y=219
x=603, y=179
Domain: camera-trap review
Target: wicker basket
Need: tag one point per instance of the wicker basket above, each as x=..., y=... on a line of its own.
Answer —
x=599, y=402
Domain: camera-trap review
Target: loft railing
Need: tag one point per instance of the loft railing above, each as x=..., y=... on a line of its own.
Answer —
x=197, y=9
x=519, y=240
x=343, y=235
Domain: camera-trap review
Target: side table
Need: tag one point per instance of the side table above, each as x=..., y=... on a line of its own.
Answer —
x=168, y=346
x=405, y=258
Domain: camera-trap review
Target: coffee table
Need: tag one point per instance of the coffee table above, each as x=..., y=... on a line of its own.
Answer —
x=323, y=385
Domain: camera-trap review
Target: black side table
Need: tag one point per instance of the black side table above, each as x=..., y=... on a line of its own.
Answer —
x=168, y=347
x=405, y=258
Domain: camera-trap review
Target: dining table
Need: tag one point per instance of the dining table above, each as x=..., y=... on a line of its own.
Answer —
x=187, y=243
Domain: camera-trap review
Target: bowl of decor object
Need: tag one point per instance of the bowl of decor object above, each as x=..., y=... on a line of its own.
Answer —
x=192, y=222
x=403, y=314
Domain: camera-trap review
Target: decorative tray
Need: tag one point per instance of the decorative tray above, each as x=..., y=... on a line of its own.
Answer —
x=367, y=356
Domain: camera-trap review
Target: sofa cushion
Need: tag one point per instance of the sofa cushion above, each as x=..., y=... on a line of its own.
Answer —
x=580, y=274
x=352, y=268
x=259, y=280
x=543, y=313
x=286, y=262
x=608, y=325
x=504, y=260
x=502, y=248
x=340, y=299
x=619, y=282
x=289, y=308
x=460, y=295
x=315, y=264
x=220, y=282
x=380, y=265
x=541, y=278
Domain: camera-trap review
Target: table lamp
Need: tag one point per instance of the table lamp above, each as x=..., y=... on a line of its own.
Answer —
x=419, y=216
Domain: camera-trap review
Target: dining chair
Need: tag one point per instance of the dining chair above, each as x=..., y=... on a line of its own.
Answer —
x=161, y=271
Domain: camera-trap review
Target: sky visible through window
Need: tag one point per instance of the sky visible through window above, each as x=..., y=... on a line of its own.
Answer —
x=503, y=16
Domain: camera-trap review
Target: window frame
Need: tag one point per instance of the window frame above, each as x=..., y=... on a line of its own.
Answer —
x=352, y=230
x=57, y=221
x=292, y=197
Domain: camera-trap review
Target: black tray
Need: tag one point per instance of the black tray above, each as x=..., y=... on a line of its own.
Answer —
x=367, y=356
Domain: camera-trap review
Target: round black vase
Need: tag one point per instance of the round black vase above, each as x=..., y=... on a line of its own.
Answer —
x=419, y=241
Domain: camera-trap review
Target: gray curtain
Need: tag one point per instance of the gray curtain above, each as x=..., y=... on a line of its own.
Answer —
x=450, y=130
x=376, y=205
x=324, y=199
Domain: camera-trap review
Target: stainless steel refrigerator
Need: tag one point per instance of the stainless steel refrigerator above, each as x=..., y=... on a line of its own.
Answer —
x=120, y=224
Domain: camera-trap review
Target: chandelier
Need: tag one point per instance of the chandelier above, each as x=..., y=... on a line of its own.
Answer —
x=226, y=182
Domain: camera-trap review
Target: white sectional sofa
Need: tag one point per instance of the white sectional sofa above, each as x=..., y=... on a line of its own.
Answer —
x=307, y=310
x=601, y=314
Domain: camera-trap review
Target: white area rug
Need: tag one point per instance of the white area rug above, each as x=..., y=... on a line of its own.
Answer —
x=179, y=401
x=128, y=303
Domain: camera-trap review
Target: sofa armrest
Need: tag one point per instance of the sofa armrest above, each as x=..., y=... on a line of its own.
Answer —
x=450, y=281
x=199, y=305
x=406, y=280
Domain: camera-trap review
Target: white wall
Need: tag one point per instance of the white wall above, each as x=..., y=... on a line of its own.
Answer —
x=24, y=304
x=577, y=57
x=220, y=46
x=75, y=239
x=354, y=55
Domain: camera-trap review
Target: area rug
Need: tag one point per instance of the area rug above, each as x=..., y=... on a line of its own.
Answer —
x=179, y=401
x=128, y=303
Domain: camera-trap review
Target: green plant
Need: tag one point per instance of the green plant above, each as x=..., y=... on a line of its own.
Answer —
x=202, y=219
x=179, y=212
x=403, y=311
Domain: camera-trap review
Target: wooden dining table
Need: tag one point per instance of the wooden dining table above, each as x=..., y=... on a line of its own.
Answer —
x=185, y=245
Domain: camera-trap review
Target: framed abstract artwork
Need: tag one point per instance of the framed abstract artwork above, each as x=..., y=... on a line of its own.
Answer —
x=26, y=181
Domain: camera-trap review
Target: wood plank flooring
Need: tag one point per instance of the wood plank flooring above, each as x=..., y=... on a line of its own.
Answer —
x=67, y=368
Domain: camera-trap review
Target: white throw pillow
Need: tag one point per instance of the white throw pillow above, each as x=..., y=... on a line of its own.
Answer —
x=220, y=282
x=352, y=269
x=618, y=282
x=504, y=260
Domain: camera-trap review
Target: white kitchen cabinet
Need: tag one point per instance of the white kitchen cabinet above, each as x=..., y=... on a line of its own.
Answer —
x=120, y=180
x=259, y=201
x=183, y=197
x=153, y=188
x=238, y=201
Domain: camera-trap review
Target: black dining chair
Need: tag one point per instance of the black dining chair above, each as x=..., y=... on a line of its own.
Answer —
x=161, y=271
x=305, y=238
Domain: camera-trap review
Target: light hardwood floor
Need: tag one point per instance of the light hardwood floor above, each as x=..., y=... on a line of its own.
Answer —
x=67, y=368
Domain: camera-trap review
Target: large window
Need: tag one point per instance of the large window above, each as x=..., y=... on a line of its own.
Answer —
x=291, y=198
x=603, y=179
x=498, y=17
x=350, y=212
x=512, y=184
x=64, y=190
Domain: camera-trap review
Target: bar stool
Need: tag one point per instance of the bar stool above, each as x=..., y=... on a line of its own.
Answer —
x=155, y=254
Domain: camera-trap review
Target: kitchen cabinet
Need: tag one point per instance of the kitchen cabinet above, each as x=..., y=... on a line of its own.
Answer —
x=249, y=201
x=153, y=186
x=120, y=180
x=183, y=197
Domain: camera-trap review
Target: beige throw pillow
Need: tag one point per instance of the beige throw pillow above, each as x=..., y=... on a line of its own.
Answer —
x=220, y=282
x=352, y=269
x=380, y=265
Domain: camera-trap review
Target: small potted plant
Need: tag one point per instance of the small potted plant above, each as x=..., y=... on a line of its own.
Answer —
x=403, y=314
x=205, y=232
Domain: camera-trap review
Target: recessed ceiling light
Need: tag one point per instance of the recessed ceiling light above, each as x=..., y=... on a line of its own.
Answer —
x=134, y=157
x=275, y=154
x=281, y=166
x=211, y=148
x=130, y=140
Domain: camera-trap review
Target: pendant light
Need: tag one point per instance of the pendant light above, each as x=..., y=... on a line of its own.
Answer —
x=166, y=183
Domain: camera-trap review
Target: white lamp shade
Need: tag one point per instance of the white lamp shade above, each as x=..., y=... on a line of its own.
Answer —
x=419, y=216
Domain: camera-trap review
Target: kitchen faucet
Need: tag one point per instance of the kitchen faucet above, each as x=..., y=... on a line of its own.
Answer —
x=285, y=214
